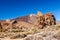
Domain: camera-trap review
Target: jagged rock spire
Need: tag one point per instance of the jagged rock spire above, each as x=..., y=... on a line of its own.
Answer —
x=39, y=13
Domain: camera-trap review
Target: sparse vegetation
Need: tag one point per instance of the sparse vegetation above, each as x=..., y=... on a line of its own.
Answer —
x=2, y=30
x=58, y=27
x=16, y=30
x=20, y=33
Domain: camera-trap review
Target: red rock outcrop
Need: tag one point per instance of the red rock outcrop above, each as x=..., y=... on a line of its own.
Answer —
x=46, y=20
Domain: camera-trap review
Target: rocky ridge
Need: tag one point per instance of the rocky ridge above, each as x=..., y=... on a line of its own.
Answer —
x=39, y=20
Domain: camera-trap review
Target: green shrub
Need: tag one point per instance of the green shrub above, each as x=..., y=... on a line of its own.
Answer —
x=57, y=27
x=2, y=30
x=17, y=30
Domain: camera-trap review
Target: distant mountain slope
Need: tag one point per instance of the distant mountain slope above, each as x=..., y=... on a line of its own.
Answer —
x=30, y=18
x=24, y=18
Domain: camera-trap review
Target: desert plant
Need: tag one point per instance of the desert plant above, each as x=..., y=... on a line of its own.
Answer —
x=57, y=27
x=2, y=30
x=16, y=30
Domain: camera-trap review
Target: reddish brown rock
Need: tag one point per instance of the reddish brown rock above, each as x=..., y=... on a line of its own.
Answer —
x=46, y=20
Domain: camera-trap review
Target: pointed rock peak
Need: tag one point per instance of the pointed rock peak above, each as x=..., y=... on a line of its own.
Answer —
x=39, y=13
x=31, y=15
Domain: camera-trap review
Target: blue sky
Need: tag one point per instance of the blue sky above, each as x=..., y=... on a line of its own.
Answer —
x=10, y=9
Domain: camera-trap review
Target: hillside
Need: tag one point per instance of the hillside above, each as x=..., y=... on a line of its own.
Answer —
x=30, y=27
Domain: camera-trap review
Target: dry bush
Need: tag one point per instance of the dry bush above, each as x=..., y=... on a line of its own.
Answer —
x=57, y=35
x=58, y=27
x=16, y=30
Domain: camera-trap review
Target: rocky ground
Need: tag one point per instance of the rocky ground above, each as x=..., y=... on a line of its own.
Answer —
x=47, y=33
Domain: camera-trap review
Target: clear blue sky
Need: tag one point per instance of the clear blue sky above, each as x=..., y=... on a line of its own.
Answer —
x=14, y=8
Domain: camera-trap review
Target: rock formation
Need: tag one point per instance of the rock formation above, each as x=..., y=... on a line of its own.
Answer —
x=46, y=20
x=38, y=20
x=39, y=13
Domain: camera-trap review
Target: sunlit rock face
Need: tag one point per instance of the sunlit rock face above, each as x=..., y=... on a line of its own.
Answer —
x=46, y=20
x=39, y=13
x=50, y=19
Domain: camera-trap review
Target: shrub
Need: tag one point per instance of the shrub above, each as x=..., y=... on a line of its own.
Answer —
x=17, y=30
